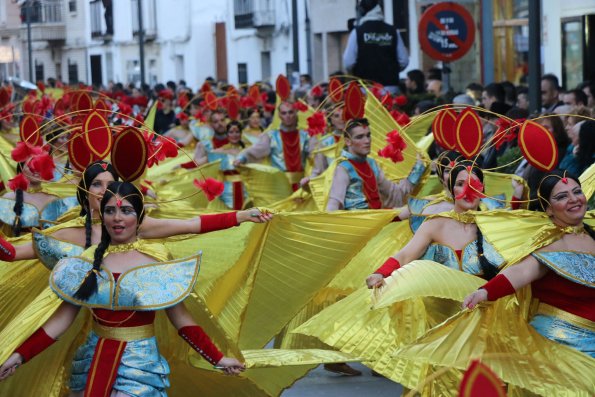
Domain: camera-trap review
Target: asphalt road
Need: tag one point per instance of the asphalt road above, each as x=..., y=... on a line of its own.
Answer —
x=321, y=383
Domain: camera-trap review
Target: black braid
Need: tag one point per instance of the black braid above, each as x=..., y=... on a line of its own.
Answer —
x=487, y=267
x=590, y=231
x=18, y=210
x=88, y=229
x=89, y=285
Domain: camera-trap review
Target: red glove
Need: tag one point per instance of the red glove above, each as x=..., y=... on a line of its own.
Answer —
x=213, y=222
x=189, y=165
x=7, y=251
x=389, y=266
x=200, y=341
x=35, y=344
x=498, y=287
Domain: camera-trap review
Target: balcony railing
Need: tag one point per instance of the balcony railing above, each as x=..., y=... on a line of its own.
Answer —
x=254, y=14
x=49, y=11
x=149, y=14
x=97, y=18
x=46, y=18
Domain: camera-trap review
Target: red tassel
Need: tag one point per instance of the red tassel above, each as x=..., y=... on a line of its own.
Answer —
x=300, y=106
x=23, y=151
x=212, y=188
x=43, y=165
x=395, y=147
x=316, y=124
x=18, y=182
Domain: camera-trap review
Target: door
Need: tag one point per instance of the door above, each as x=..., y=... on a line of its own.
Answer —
x=96, y=72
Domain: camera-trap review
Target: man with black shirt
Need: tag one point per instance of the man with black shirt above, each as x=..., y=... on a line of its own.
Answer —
x=375, y=50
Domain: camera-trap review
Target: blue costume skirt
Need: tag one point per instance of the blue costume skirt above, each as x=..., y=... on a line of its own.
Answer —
x=142, y=372
x=572, y=335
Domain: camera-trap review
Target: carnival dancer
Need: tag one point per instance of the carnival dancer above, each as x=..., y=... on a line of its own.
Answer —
x=358, y=181
x=215, y=140
x=318, y=144
x=120, y=355
x=519, y=334
x=286, y=147
x=181, y=133
x=451, y=239
x=234, y=194
x=561, y=274
x=253, y=129
x=31, y=204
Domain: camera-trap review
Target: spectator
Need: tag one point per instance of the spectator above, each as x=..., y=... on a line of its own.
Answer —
x=522, y=98
x=576, y=98
x=550, y=91
x=581, y=152
x=375, y=50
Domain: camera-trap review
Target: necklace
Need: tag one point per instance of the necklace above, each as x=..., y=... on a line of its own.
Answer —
x=463, y=217
x=573, y=229
x=113, y=249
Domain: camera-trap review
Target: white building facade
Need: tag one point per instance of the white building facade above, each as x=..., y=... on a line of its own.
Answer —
x=244, y=41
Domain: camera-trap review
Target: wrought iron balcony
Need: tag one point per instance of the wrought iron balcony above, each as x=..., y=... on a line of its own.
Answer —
x=149, y=15
x=46, y=19
x=254, y=14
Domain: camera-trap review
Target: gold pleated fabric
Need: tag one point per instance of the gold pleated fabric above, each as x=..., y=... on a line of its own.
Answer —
x=372, y=324
x=178, y=185
x=299, y=201
x=498, y=334
x=587, y=180
x=7, y=165
x=381, y=123
x=418, y=128
x=265, y=184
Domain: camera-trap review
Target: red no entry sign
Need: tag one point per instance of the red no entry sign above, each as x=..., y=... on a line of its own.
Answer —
x=446, y=31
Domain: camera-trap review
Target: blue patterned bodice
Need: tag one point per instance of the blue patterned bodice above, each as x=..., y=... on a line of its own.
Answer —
x=575, y=266
x=277, y=158
x=470, y=261
x=354, y=196
x=148, y=287
x=31, y=216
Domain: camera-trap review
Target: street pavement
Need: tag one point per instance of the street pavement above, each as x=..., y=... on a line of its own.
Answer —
x=321, y=383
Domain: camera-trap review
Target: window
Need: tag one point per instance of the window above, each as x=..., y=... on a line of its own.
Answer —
x=39, y=71
x=73, y=73
x=243, y=12
x=72, y=6
x=243, y=73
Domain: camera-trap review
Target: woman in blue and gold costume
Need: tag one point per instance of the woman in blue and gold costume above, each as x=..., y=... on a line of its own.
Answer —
x=561, y=274
x=451, y=239
x=120, y=356
x=538, y=332
x=234, y=193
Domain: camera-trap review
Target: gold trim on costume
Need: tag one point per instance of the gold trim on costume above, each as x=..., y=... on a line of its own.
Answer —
x=573, y=319
x=124, y=334
x=294, y=177
x=232, y=178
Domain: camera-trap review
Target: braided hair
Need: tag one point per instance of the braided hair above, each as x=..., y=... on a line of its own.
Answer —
x=129, y=192
x=445, y=160
x=488, y=269
x=18, y=207
x=544, y=192
x=82, y=193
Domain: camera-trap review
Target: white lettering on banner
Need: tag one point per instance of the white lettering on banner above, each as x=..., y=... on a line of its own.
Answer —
x=436, y=37
x=447, y=20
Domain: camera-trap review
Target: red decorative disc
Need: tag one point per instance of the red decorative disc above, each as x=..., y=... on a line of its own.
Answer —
x=84, y=102
x=29, y=130
x=447, y=128
x=211, y=100
x=254, y=93
x=283, y=87
x=469, y=133
x=480, y=381
x=354, y=102
x=78, y=152
x=4, y=97
x=335, y=90
x=538, y=146
x=233, y=108
x=436, y=129
x=129, y=154
x=98, y=134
